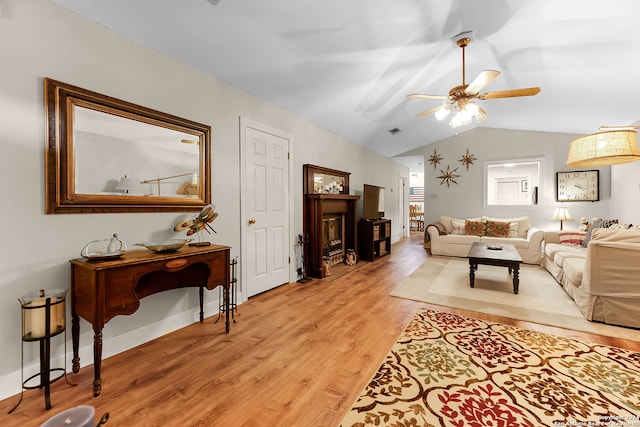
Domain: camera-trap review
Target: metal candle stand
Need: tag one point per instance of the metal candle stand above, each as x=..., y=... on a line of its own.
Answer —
x=43, y=317
x=233, y=305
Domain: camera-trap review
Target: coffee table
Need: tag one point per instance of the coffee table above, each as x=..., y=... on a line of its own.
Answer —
x=502, y=255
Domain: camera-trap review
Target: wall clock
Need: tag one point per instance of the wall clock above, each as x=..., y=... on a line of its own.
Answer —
x=578, y=186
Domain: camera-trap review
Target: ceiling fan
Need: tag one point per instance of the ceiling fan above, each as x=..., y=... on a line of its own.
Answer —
x=461, y=98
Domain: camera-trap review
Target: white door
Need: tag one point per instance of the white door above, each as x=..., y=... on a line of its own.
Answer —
x=265, y=214
x=507, y=192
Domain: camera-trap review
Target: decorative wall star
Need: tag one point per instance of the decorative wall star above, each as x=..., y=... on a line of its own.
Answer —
x=467, y=159
x=435, y=159
x=449, y=176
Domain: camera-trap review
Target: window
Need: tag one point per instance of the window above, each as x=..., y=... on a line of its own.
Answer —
x=512, y=182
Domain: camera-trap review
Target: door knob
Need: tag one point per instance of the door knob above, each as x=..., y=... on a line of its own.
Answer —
x=252, y=221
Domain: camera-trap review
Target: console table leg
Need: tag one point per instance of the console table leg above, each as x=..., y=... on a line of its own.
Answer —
x=201, y=292
x=97, y=362
x=75, y=336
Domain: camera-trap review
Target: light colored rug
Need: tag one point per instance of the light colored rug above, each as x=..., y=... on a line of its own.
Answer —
x=445, y=281
x=457, y=371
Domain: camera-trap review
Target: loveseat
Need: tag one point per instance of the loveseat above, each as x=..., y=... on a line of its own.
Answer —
x=454, y=236
x=602, y=278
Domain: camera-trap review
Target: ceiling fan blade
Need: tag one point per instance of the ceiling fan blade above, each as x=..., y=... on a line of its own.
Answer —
x=433, y=110
x=483, y=79
x=529, y=91
x=420, y=95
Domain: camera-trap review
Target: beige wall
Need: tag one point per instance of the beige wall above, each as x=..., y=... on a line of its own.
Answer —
x=40, y=39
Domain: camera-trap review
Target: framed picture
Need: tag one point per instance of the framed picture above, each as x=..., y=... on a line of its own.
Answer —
x=578, y=186
x=524, y=185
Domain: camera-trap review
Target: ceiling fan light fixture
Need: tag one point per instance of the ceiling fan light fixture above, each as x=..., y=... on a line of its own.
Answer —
x=462, y=118
x=480, y=115
x=442, y=113
x=471, y=108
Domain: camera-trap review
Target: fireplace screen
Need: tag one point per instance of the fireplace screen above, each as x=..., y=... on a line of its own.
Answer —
x=333, y=238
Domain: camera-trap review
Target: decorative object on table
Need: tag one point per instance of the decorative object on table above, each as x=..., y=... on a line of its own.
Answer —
x=43, y=317
x=351, y=258
x=561, y=214
x=613, y=145
x=578, y=186
x=449, y=176
x=164, y=246
x=80, y=416
x=111, y=248
x=584, y=224
x=467, y=159
x=198, y=224
x=326, y=267
x=435, y=158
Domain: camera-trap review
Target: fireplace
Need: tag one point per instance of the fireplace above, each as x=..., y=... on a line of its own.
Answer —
x=329, y=218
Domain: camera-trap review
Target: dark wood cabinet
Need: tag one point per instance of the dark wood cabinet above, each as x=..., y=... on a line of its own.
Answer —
x=374, y=238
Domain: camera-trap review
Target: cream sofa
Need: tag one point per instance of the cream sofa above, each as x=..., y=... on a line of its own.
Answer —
x=447, y=237
x=603, y=278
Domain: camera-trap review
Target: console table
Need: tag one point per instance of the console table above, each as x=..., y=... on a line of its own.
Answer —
x=103, y=289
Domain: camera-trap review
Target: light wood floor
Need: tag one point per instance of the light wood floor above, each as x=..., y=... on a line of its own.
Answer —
x=297, y=356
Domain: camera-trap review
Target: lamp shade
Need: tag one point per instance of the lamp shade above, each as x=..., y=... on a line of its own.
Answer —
x=127, y=184
x=562, y=214
x=604, y=148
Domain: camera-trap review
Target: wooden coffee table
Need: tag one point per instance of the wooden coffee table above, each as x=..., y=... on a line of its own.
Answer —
x=502, y=255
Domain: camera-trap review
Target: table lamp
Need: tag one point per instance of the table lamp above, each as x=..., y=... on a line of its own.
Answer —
x=562, y=214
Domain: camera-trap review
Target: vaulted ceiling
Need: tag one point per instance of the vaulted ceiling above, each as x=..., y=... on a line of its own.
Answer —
x=347, y=65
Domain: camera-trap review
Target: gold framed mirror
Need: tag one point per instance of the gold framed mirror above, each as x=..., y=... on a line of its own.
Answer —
x=108, y=155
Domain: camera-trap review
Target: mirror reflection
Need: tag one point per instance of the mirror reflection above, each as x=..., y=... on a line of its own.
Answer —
x=119, y=156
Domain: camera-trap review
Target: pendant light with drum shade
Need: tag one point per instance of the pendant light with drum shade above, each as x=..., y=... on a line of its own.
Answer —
x=610, y=146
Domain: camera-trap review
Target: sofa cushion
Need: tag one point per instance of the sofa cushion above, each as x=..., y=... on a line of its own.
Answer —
x=572, y=237
x=475, y=228
x=497, y=229
x=457, y=239
x=573, y=268
x=516, y=242
x=550, y=249
x=561, y=256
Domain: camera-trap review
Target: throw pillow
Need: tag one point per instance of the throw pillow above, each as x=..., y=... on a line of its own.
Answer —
x=475, y=228
x=599, y=223
x=498, y=229
x=457, y=226
x=573, y=238
x=513, y=229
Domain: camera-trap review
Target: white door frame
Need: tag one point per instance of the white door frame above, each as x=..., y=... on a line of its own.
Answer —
x=244, y=124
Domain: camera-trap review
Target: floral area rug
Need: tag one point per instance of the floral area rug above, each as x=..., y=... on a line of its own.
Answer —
x=452, y=370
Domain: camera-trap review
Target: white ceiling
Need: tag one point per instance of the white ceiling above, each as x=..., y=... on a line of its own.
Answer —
x=347, y=65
